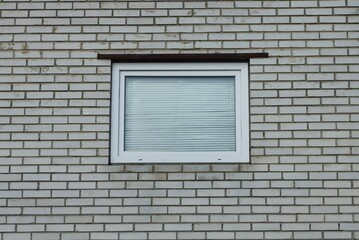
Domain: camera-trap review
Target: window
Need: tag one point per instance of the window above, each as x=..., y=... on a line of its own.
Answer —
x=179, y=112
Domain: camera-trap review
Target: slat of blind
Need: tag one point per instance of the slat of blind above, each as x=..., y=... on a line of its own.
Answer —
x=180, y=114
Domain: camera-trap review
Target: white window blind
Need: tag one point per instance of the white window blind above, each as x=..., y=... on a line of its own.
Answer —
x=179, y=113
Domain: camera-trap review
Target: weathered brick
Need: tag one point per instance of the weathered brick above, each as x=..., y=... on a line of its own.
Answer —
x=55, y=105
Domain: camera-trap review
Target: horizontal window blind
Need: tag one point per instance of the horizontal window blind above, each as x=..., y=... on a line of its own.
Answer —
x=179, y=114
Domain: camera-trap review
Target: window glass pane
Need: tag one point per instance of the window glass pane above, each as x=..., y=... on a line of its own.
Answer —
x=179, y=114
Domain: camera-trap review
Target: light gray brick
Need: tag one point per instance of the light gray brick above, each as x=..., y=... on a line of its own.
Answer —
x=191, y=235
x=14, y=236
x=194, y=218
x=337, y=234
x=222, y=235
x=162, y=235
x=132, y=235
x=103, y=235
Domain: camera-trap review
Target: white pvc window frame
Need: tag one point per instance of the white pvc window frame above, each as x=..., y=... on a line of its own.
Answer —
x=237, y=70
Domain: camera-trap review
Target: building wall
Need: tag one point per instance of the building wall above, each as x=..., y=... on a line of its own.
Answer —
x=55, y=180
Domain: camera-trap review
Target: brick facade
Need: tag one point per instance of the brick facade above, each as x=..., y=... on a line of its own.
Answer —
x=55, y=181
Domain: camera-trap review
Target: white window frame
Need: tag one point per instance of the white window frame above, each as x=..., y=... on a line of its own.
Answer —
x=238, y=69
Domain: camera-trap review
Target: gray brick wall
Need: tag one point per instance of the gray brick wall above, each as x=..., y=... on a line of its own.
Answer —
x=55, y=181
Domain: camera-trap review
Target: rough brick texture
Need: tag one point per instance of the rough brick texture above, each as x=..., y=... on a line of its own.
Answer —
x=55, y=181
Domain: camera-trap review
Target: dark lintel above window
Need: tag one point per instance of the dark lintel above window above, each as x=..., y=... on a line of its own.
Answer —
x=203, y=57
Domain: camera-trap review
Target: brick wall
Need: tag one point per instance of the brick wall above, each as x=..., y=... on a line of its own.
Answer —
x=55, y=181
